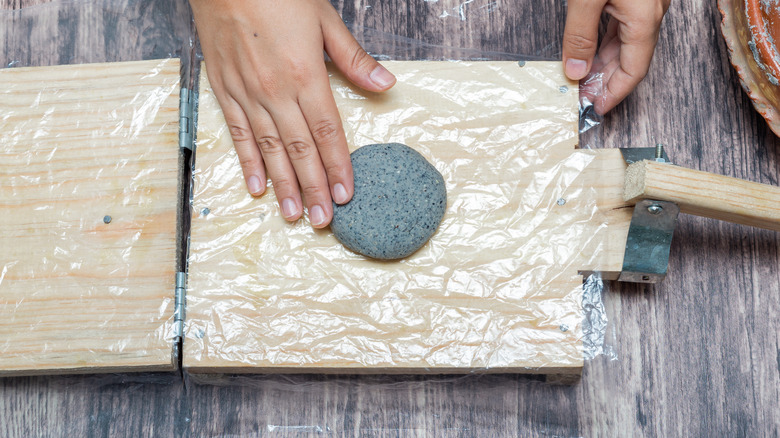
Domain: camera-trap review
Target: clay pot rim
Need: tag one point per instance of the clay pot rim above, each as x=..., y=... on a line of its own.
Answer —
x=738, y=35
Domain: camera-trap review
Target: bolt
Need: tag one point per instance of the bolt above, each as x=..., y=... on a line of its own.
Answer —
x=561, y=201
x=563, y=89
x=106, y=219
x=659, y=153
x=655, y=209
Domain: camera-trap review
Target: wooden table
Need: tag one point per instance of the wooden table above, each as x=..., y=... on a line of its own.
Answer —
x=698, y=354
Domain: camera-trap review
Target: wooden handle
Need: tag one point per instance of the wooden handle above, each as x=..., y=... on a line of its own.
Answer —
x=705, y=194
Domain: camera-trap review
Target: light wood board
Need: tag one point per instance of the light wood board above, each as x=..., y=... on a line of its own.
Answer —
x=78, y=143
x=498, y=288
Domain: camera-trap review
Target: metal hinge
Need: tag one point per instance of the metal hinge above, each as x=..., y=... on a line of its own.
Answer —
x=181, y=301
x=186, y=119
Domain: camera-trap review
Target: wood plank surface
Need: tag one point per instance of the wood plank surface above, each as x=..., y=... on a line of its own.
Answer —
x=88, y=187
x=696, y=355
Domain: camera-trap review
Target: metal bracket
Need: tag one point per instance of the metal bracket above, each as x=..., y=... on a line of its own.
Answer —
x=646, y=257
x=632, y=155
x=649, y=241
x=186, y=119
x=181, y=300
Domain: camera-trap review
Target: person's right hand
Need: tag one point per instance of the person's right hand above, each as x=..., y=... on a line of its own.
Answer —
x=626, y=49
x=266, y=66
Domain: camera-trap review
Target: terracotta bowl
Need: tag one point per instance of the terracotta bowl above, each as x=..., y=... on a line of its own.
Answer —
x=751, y=28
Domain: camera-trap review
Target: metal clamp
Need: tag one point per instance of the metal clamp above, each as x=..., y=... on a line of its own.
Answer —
x=646, y=258
x=649, y=241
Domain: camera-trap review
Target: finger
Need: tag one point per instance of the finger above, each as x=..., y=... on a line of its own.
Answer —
x=305, y=159
x=581, y=36
x=359, y=67
x=604, y=65
x=322, y=117
x=603, y=102
x=280, y=170
x=244, y=141
x=610, y=43
x=636, y=52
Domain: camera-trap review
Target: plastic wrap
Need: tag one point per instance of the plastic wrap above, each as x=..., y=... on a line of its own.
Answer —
x=496, y=289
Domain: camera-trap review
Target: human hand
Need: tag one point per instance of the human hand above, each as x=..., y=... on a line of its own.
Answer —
x=626, y=49
x=266, y=66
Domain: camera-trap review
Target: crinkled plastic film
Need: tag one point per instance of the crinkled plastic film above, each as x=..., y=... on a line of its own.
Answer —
x=89, y=197
x=496, y=289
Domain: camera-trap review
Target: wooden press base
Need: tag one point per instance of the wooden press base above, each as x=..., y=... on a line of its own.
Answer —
x=267, y=296
x=78, y=143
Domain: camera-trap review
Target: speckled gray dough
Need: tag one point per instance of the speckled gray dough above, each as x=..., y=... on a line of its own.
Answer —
x=399, y=202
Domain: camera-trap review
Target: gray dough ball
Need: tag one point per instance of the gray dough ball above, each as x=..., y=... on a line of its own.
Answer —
x=399, y=202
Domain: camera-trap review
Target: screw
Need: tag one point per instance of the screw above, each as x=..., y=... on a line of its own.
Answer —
x=564, y=328
x=645, y=278
x=655, y=209
x=106, y=219
x=659, y=153
x=563, y=89
x=561, y=201
x=521, y=63
x=205, y=211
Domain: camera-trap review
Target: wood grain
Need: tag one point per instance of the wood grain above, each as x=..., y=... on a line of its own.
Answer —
x=88, y=186
x=696, y=355
x=705, y=194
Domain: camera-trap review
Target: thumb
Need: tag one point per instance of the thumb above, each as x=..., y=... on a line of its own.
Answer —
x=581, y=36
x=359, y=67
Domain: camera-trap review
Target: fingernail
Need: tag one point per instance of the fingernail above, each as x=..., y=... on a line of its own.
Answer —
x=576, y=68
x=316, y=215
x=254, y=185
x=289, y=209
x=381, y=77
x=340, y=194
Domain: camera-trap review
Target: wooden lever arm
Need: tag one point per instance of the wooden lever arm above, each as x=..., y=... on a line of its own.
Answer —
x=705, y=194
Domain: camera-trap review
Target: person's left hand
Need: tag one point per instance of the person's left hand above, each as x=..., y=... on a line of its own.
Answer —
x=266, y=66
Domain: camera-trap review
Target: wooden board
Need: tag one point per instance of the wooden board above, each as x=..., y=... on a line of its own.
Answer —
x=79, y=143
x=497, y=289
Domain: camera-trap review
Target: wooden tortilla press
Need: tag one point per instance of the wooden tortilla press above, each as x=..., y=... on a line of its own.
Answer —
x=661, y=190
